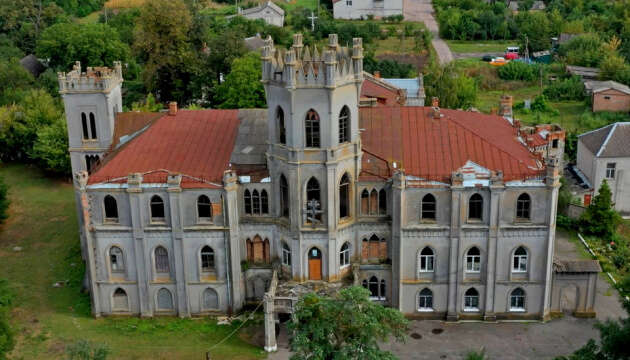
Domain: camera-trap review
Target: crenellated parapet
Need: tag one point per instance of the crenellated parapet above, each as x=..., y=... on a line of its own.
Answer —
x=94, y=79
x=303, y=66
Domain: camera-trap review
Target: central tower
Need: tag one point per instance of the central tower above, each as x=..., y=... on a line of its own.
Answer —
x=314, y=153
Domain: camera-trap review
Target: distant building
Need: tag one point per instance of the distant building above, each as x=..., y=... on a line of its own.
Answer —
x=254, y=42
x=605, y=154
x=357, y=9
x=32, y=64
x=608, y=95
x=586, y=73
x=380, y=91
x=268, y=11
x=413, y=88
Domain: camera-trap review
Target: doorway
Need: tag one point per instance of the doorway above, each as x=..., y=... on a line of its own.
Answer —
x=314, y=264
x=569, y=299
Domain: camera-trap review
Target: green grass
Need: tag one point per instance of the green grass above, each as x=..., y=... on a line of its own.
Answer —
x=91, y=18
x=42, y=220
x=458, y=46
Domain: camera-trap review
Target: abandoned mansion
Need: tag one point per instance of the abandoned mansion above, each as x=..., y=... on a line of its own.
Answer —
x=442, y=214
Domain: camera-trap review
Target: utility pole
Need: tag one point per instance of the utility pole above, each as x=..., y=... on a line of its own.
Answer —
x=312, y=18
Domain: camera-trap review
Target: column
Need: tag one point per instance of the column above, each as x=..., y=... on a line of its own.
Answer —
x=453, y=263
x=553, y=184
x=233, y=272
x=181, y=284
x=270, y=324
x=398, y=214
x=142, y=260
x=496, y=192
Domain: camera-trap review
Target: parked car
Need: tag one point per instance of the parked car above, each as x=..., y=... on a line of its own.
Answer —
x=512, y=49
x=498, y=61
x=486, y=58
x=511, y=56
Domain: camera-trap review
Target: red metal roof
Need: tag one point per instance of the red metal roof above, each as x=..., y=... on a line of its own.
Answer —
x=385, y=94
x=194, y=143
x=433, y=148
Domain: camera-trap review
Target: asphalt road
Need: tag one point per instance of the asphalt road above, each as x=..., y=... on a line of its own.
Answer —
x=422, y=11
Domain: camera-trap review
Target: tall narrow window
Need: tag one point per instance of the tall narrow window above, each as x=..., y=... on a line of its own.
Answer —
x=519, y=260
x=428, y=207
x=365, y=202
x=374, y=251
x=344, y=255
x=610, y=170
x=312, y=129
x=425, y=300
x=282, y=132
x=164, y=300
x=374, y=287
x=266, y=254
x=84, y=125
x=264, y=202
x=344, y=125
x=284, y=196
x=382, y=289
x=373, y=202
x=247, y=196
x=204, y=208
x=210, y=299
x=523, y=206
x=161, y=260
x=344, y=197
x=471, y=300
x=473, y=260
x=426, y=260
x=517, y=300
x=475, y=207
x=313, y=204
x=255, y=203
x=382, y=202
x=286, y=254
x=116, y=260
x=93, y=125
x=207, y=259
x=157, y=208
x=111, y=208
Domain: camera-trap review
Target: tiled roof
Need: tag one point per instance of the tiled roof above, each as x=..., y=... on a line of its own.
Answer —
x=194, y=143
x=609, y=141
x=433, y=148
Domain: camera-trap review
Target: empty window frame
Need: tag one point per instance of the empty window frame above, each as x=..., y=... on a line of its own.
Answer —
x=471, y=300
x=373, y=202
x=157, y=208
x=377, y=288
x=116, y=260
x=344, y=197
x=282, y=131
x=284, y=196
x=111, y=208
x=523, y=207
x=425, y=300
x=428, y=207
x=344, y=255
x=286, y=254
x=313, y=199
x=93, y=126
x=475, y=207
x=311, y=126
x=247, y=200
x=84, y=126
x=344, y=125
x=204, y=208
x=517, y=300
x=207, y=259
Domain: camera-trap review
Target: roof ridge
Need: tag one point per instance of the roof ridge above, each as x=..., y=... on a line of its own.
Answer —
x=603, y=145
x=595, y=130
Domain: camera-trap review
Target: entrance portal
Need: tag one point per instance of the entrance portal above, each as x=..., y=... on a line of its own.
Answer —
x=314, y=264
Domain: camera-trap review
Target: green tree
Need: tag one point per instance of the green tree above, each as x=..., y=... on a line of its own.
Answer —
x=613, y=344
x=51, y=147
x=14, y=80
x=454, y=89
x=347, y=326
x=223, y=49
x=161, y=39
x=583, y=50
x=4, y=205
x=91, y=44
x=600, y=218
x=242, y=87
x=24, y=20
x=534, y=30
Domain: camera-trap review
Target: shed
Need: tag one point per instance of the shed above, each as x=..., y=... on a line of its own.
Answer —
x=608, y=95
x=585, y=73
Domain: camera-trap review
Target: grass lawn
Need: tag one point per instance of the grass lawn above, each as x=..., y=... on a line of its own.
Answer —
x=494, y=46
x=42, y=221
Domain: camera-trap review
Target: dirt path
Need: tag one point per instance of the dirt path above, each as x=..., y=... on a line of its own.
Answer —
x=422, y=11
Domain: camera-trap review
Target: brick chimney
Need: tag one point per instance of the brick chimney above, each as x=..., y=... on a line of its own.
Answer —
x=435, y=102
x=172, y=108
x=435, y=107
x=377, y=74
x=505, y=106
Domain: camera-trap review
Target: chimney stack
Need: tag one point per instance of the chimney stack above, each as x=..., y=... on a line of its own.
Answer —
x=505, y=106
x=435, y=105
x=172, y=108
x=377, y=74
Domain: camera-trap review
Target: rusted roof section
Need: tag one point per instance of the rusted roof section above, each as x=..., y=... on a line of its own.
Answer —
x=127, y=125
x=194, y=143
x=385, y=93
x=432, y=148
x=576, y=266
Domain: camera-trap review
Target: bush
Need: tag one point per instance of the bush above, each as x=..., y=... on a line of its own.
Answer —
x=567, y=89
x=84, y=350
x=600, y=219
x=518, y=70
x=388, y=68
x=565, y=222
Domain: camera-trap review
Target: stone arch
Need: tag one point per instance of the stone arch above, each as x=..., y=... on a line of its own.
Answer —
x=164, y=300
x=120, y=300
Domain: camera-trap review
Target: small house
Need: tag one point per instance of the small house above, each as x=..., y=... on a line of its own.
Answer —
x=608, y=95
x=268, y=11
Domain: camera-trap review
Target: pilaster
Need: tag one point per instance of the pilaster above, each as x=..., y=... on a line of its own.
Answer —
x=181, y=284
x=234, y=273
x=142, y=258
x=398, y=216
x=453, y=263
x=552, y=181
x=496, y=194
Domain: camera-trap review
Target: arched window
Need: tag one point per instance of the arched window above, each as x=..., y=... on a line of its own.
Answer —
x=344, y=125
x=475, y=207
x=84, y=126
x=204, y=208
x=523, y=205
x=282, y=131
x=365, y=202
x=519, y=260
x=161, y=260
x=344, y=255
x=517, y=300
x=426, y=261
x=157, y=208
x=312, y=199
x=286, y=254
x=473, y=260
x=90, y=162
x=471, y=300
x=250, y=249
x=284, y=196
x=382, y=202
x=93, y=125
x=374, y=251
x=207, y=259
x=120, y=302
x=255, y=203
x=116, y=260
x=164, y=300
x=266, y=255
x=377, y=288
x=312, y=129
x=248, y=202
x=210, y=299
x=428, y=207
x=344, y=197
x=425, y=300
x=264, y=202
x=373, y=202
x=382, y=293
x=111, y=208
x=373, y=287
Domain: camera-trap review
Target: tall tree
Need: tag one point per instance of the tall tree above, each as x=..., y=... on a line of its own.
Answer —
x=347, y=326
x=161, y=38
x=242, y=87
x=24, y=20
x=600, y=218
x=454, y=89
x=51, y=147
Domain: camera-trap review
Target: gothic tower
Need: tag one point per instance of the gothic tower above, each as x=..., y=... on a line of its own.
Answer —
x=314, y=153
x=91, y=101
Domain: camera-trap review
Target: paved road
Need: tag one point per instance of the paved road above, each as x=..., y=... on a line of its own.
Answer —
x=422, y=11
